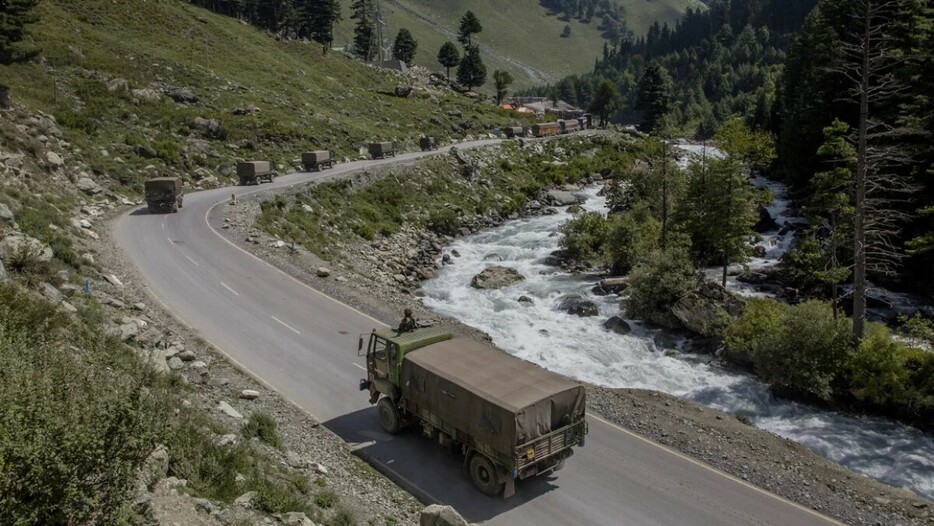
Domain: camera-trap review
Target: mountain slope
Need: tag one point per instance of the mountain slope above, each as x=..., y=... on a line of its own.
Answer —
x=521, y=36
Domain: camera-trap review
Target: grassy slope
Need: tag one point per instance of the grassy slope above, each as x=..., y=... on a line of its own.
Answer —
x=518, y=35
x=306, y=100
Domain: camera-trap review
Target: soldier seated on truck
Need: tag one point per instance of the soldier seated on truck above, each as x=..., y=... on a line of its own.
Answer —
x=408, y=323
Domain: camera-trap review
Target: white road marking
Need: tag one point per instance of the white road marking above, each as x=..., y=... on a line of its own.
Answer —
x=193, y=261
x=286, y=325
x=163, y=227
x=359, y=366
x=235, y=293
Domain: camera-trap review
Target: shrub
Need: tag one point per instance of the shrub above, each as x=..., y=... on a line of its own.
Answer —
x=275, y=496
x=78, y=417
x=210, y=469
x=657, y=283
x=444, y=222
x=804, y=352
x=884, y=373
x=632, y=236
x=326, y=499
x=584, y=236
x=746, y=335
x=262, y=426
x=343, y=517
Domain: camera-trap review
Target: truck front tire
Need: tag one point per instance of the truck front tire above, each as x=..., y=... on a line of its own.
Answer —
x=483, y=475
x=388, y=416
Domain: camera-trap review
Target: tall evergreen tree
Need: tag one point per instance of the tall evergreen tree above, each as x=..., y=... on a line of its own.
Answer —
x=470, y=25
x=365, y=41
x=449, y=57
x=404, y=47
x=501, y=81
x=322, y=15
x=15, y=15
x=654, y=96
x=605, y=101
x=471, y=72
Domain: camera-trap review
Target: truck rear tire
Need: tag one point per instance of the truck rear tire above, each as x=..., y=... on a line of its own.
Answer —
x=483, y=475
x=388, y=416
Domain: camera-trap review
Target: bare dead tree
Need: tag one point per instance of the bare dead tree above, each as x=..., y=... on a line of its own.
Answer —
x=869, y=60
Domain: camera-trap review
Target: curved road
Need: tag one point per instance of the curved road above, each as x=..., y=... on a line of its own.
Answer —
x=303, y=344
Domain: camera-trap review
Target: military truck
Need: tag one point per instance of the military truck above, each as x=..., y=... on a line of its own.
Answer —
x=254, y=172
x=163, y=194
x=510, y=419
x=513, y=131
x=317, y=160
x=381, y=150
x=428, y=143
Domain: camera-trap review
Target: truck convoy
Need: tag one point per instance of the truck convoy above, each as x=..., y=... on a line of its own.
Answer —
x=381, y=150
x=317, y=160
x=163, y=194
x=511, y=419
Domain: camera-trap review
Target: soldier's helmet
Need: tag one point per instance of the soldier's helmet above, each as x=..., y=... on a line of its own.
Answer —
x=408, y=312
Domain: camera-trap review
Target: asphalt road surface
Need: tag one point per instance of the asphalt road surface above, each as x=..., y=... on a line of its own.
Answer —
x=303, y=344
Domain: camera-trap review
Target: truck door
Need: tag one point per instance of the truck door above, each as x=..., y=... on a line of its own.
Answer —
x=378, y=358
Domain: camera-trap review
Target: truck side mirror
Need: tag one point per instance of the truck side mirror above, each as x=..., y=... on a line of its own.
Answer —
x=360, y=351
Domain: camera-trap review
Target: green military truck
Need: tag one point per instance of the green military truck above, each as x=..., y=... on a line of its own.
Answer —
x=511, y=419
x=255, y=172
x=163, y=194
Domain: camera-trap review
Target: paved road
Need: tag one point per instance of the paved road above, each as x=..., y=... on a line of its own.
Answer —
x=303, y=344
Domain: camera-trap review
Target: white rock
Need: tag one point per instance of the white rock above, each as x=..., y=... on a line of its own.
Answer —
x=246, y=500
x=6, y=215
x=67, y=307
x=322, y=272
x=84, y=223
x=114, y=280
x=199, y=366
x=225, y=440
x=319, y=468
x=249, y=394
x=54, y=159
x=294, y=518
x=15, y=243
x=228, y=410
x=88, y=258
x=175, y=364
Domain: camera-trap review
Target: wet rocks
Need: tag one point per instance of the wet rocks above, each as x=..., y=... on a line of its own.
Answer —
x=765, y=223
x=496, y=278
x=561, y=198
x=706, y=309
x=576, y=305
x=617, y=325
x=525, y=300
x=608, y=286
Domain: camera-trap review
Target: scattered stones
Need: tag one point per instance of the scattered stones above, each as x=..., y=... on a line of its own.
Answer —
x=496, y=277
x=228, y=410
x=186, y=355
x=175, y=364
x=294, y=518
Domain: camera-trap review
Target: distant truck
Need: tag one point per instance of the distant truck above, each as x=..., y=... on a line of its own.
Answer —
x=317, y=160
x=254, y=172
x=510, y=419
x=163, y=194
x=513, y=131
x=381, y=150
x=428, y=143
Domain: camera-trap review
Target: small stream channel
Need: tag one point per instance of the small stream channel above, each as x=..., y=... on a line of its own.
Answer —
x=893, y=453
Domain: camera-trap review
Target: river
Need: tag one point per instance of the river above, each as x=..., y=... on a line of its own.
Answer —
x=893, y=453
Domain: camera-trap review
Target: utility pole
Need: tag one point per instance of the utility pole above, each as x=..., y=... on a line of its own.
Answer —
x=381, y=46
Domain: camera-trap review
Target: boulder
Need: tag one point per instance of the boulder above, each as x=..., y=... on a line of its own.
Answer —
x=322, y=272
x=16, y=244
x=155, y=467
x=6, y=215
x=578, y=306
x=4, y=277
x=765, y=223
x=295, y=518
x=525, y=300
x=88, y=186
x=706, y=309
x=211, y=127
x=438, y=515
x=561, y=198
x=575, y=209
x=228, y=410
x=403, y=91
x=495, y=278
x=617, y=325
x=249, y=394
x=614, y=285
x=55, y=160
x=146, y=94
x=182, y=95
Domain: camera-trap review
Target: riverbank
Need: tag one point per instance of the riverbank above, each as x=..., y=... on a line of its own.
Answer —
x=831, y=488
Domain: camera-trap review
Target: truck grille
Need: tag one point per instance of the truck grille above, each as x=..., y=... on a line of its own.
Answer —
x=550, y=444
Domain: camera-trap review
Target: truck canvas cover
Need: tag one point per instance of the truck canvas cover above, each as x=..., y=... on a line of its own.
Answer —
x=251, y=168
x=488, y=394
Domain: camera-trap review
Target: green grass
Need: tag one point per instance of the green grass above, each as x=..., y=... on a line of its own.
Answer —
x=520, y=36
x=305, y=100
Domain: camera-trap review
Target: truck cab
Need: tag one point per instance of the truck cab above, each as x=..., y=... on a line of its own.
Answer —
x=385, y=349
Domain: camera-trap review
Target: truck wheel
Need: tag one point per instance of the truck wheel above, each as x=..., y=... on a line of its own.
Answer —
x=483, y=475
x=388, y=416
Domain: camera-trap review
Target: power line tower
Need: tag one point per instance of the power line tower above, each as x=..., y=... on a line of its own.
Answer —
x=382, y=45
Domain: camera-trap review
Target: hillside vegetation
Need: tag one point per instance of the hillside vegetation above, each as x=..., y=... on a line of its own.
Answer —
x=196, y=91
x=521, y=36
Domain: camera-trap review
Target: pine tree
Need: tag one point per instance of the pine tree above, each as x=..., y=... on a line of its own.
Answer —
x=449, y=57
x=470, y=25
x=501, y=81
x=566, y=32
x=471, y=72
x=654, y=96
x=322, y=15
x=365, y=44
x=404, y=47
x=15, y=15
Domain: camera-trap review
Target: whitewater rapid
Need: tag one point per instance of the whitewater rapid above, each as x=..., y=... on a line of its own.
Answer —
x=647, y=358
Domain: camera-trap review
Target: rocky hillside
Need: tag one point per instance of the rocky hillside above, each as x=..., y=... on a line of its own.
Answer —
x=142, y=88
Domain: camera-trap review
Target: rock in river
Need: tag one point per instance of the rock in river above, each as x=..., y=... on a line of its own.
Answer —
x=496, y=278
x=578, y=306
x=617, y=325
